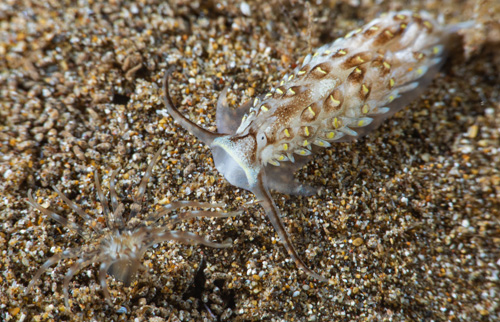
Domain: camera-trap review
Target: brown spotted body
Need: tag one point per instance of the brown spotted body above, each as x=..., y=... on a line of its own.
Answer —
x=345, y=86
x=340, y=92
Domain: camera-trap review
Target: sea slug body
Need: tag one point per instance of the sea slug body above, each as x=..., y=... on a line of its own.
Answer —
x=338, y=93
x=119, y=244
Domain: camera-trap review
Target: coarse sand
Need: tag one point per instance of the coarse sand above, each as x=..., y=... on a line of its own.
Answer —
x=407, y=226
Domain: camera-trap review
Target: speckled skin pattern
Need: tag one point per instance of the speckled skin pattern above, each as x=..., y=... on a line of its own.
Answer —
x=340, y=92
x=344, y=86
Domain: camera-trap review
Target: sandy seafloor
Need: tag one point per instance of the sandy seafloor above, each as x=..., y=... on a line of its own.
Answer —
x=407, y=226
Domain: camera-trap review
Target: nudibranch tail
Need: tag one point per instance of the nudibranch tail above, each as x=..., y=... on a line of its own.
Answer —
x=202, y=134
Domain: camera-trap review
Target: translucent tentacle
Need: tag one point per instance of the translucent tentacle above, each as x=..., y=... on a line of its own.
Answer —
x=51, y=261
x=118, y=214
x=112, y=190
x=179, y=204
x=72, y=253
x=73, y=206
x=194, y=214
x=145, y=179
x=80, y=264
x=188, y=238
x=103, y=270
x=262, y=193
x=49, y=213
x=203, y=135
x=103, y=200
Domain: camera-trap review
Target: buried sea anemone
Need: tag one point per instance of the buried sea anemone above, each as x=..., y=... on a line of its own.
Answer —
x=120, y=243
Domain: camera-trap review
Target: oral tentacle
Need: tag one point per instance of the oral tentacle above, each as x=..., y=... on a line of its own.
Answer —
x=262, y=193
x=202, y=134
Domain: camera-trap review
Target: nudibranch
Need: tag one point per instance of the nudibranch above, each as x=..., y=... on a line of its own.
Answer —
x=339, y=93
x=120, y=240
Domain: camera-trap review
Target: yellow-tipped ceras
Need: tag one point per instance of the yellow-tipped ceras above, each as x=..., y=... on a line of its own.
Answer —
x=339, y=93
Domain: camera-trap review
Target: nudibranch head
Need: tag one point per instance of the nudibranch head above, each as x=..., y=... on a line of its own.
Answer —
x=235, y=159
